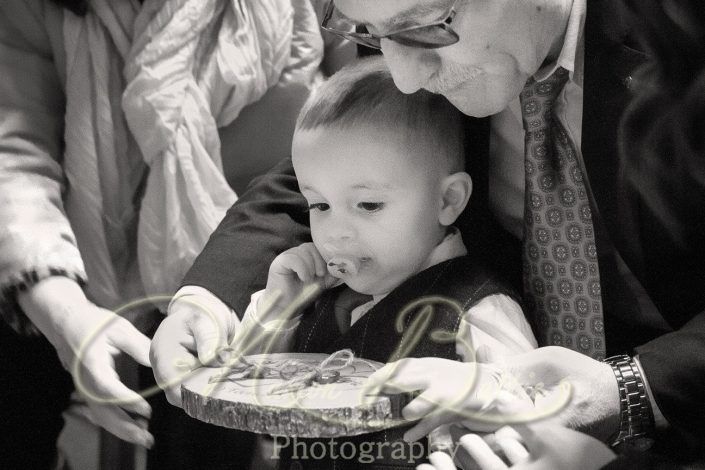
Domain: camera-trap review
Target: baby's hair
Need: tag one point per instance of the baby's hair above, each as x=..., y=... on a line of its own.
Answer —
x=364, y=94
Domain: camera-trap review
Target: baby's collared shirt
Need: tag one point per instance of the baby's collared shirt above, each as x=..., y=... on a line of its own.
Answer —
x=495, y=326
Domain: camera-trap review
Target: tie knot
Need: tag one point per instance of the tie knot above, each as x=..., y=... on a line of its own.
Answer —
x=537, y=98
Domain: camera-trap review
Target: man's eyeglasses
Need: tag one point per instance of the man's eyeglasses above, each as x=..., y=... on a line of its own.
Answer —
x=427, y=36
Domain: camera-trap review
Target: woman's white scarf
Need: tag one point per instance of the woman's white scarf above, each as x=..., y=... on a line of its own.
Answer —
x=150, y=84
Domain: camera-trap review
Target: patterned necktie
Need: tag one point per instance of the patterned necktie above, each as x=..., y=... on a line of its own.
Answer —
x=561, y=276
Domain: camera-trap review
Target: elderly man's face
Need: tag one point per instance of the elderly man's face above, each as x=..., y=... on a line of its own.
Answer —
x=502, y=43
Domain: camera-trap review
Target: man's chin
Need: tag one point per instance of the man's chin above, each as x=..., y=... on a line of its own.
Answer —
x=482, y=98
x=478, y=108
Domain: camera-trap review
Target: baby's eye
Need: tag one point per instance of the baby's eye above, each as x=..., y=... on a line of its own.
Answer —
x=321, y=206
x=370, y=206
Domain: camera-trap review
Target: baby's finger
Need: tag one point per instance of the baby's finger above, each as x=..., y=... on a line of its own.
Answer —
x=400, y=376
x=483, y=455
x=509, y=442
x=328, y=282
x=461, y=402
x=424, y=404
x=514, y=451
x=210, y=337
x=375, y=381
x=484, y=354
x=424, y=427
x=427, y=466
x=172, y=360
x=318, y=262
x=441, y=461
x=507, y=432
x=310, y=263
x=535, y=443
x=301, y=265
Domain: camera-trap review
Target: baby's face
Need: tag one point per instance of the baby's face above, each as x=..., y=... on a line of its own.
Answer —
x=374, y=202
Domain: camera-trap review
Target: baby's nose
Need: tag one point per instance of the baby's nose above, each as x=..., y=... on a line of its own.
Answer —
x=339, y=233
x=335, y=246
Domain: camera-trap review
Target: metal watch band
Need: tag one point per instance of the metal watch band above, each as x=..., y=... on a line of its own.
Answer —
x=636, y=418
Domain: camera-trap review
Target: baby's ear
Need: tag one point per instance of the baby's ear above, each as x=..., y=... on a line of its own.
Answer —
x=455, y=190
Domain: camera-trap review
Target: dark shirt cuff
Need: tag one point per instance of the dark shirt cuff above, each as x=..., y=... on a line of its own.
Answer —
x=10, y=310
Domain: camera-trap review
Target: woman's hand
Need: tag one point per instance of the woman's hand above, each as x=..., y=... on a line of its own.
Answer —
x=87, y=338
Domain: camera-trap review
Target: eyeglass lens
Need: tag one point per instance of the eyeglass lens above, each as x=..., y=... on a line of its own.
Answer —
x=427, y=36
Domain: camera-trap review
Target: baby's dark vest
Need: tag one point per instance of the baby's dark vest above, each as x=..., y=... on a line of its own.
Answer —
x=448, y=289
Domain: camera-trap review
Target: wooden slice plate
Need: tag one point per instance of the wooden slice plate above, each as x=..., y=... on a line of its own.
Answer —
x=250, y=398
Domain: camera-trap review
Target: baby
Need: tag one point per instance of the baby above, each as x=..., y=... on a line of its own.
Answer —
x=383, y=175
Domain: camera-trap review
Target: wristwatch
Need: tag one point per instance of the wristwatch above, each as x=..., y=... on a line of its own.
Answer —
x=636, y=417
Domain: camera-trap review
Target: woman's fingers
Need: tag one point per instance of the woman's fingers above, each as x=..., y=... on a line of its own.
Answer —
x=128, y=339
x=121, y=425
x=100, y=384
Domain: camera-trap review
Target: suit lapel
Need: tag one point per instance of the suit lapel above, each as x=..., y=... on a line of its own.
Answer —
x=609, y=66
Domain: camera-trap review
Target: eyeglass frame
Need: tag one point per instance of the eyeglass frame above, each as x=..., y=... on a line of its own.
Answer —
x=360, y=38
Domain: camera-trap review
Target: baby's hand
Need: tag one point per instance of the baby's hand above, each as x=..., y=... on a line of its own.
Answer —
x=295, y=269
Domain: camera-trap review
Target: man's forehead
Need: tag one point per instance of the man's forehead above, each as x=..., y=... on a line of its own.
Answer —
x=387, y=14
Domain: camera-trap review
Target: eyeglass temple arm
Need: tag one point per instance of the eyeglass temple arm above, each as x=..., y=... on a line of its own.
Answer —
x=328, y=14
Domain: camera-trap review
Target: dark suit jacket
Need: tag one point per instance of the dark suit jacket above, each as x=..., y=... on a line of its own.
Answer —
x=664, y=323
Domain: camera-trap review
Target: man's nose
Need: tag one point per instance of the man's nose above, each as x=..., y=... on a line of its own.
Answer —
x=411, y=67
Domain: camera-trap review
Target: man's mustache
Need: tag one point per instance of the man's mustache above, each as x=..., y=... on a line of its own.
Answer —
x=450, y=77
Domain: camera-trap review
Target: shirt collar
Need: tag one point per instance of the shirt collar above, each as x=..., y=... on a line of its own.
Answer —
x=571, y=56
x=451, y=246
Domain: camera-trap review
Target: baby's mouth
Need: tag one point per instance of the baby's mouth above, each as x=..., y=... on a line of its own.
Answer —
x=340, y=266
